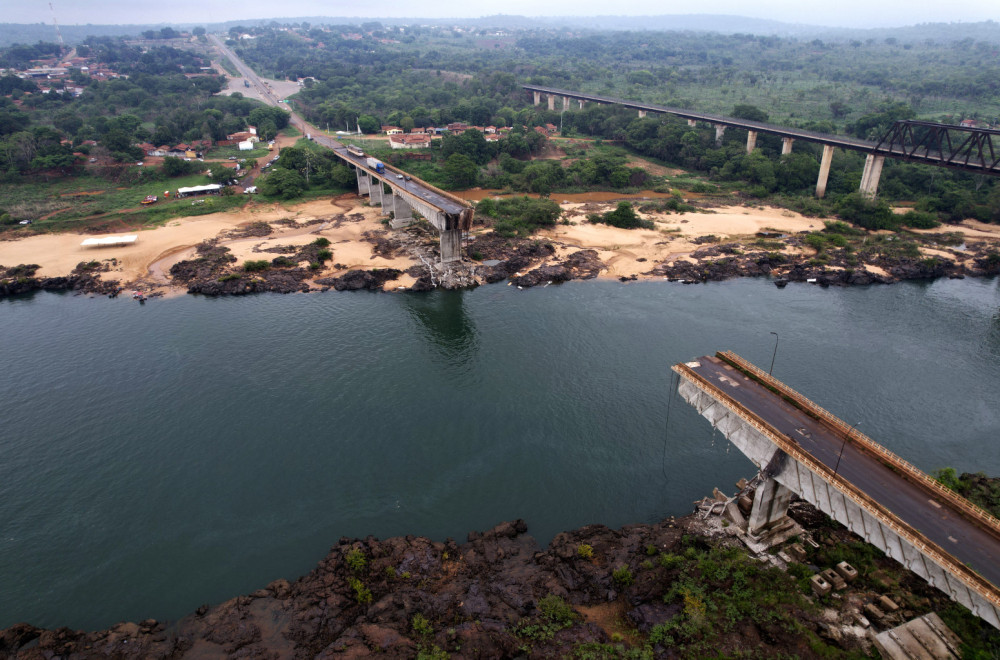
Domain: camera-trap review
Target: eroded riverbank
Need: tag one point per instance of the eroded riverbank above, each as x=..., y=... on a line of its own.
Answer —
x=676, y=588
x=209, y=254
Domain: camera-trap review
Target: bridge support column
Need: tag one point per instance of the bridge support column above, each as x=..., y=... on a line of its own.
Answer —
x=719, y=130
x=402, y=214
x=770, y=506
x=692, y=123
x=751, y=141
x=786, y=145
x=552, y=103
x=872, y=173
x=581, y=104
x=824, y=170
x=538, y=97
x=565, y=103
x=364, y=183
x=642, y=113
x=381, y=193
x=451, y=245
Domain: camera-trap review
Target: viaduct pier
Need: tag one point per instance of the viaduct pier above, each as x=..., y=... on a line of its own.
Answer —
x=970, y=149
x=449, y=214
x=801, y=448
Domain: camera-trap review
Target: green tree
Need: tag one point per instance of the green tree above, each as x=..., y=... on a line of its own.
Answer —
x=218, y=173
x=747, y=111
x=286, y=184
x=460, y=171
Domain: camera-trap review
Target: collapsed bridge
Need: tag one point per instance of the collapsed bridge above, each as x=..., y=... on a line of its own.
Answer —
x=804, y=449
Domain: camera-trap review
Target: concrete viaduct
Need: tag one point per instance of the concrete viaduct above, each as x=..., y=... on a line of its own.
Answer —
x=801, y=448
x=973, y=149
x=449, y=214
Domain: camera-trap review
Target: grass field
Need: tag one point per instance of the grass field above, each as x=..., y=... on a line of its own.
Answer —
x=80, y=203
x=227, y=151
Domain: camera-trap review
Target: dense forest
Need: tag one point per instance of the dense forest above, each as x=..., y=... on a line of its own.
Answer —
x=374, y=74
x=409, y=77
x=152, y=101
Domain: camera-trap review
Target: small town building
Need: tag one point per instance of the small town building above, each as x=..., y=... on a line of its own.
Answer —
x=419, y=141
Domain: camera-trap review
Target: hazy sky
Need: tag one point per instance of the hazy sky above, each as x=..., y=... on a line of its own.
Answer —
x=846, y=13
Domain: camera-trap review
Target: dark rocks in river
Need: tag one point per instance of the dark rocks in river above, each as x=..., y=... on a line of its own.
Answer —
x=20, y=279
x=405, y=595
x=354, y=280
x=543, y=275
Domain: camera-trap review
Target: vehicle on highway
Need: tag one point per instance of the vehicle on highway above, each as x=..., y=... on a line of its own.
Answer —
x=355, y=150
x=399, y=176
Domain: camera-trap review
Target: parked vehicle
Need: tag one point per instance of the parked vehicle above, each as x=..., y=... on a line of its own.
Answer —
x=150, y=199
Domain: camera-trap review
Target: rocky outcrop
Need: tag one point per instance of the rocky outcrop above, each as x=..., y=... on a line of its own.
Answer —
x=498, y=595
x=354, y=280
x=85, y=278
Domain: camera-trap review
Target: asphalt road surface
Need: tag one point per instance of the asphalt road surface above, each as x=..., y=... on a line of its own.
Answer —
x=413, y=186
x=965, y=540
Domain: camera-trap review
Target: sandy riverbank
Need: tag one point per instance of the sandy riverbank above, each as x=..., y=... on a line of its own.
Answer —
x=150, y=258
x=630, y=252
x=345, y=221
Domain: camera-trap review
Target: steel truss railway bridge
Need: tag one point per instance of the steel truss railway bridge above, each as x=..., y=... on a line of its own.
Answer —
x=970, y=149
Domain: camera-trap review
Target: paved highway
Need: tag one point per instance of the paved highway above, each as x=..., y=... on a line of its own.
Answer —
x=413, y=186
x=936, y=519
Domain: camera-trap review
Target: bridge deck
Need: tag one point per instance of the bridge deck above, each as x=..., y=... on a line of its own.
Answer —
x=413, y=186
x=938, y=520
x=763, y=127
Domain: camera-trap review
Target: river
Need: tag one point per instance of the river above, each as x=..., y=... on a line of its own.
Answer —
x=157, y=457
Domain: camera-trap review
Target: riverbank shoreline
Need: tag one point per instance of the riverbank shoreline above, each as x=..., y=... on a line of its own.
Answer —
x=209, y=254
x=501, y=595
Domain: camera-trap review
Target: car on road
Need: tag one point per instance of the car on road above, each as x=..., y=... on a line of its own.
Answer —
x=399, y=176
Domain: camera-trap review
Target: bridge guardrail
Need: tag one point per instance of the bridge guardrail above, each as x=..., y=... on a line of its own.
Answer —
x=971, y=578
x=907, y=469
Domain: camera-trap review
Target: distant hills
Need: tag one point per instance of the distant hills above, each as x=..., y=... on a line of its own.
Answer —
x=988, y=31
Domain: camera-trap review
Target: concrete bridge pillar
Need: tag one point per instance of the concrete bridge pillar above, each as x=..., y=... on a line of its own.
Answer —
x=692, y=123
x=751, y=141
x=642, y=113
x=538, y=97
x=786, y=145
x=565, y=103
x=770, y=506
x=381, y=193
x=364, y=182
x=552, y=102
x=451, y=245
x=581, y=104
x=824, y=170
x=871, y=176
x=402, y=214
x=719, y=130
